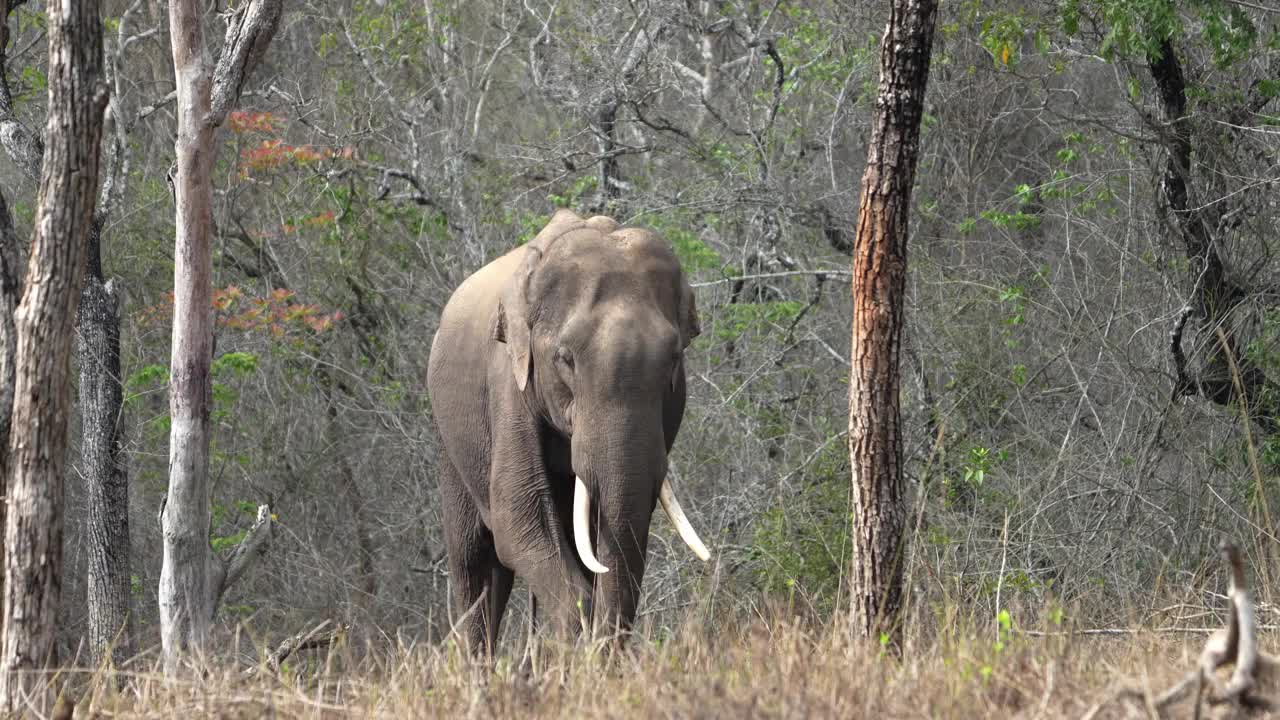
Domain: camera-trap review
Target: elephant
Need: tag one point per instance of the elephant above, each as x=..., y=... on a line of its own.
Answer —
x=557, y=383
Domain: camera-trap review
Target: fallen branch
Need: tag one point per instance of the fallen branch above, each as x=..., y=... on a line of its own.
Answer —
x=1236, y=644
x=321, y=636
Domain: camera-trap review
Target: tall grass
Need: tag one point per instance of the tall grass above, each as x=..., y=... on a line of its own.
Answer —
x=770, y=663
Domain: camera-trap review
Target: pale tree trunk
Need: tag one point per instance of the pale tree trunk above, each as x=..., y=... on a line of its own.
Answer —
x=879, y=275
x=192, y=578
x=45, y=321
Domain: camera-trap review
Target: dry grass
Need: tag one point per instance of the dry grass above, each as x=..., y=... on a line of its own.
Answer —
x=762, y=668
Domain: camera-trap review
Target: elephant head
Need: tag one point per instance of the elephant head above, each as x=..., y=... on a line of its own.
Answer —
x=595, y=324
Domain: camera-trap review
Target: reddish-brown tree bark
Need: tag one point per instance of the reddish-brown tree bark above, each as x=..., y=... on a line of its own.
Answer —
x=44, y=322
x=879, y=275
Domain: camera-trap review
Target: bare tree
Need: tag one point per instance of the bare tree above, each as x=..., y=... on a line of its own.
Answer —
x=879, y=277
x=102, y=465
x=192, y=577
x=102, y=459
x=1217, y=292
x=18, y=143
x=44, y=322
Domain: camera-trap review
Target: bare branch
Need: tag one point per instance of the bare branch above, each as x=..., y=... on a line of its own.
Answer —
x=844, y=275
x=249, y=31
x=145, y=112
x=1184, y=385
x=369, y=69
x=226, y=573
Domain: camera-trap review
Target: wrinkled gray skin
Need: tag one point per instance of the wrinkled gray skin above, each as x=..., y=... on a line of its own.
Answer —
x=563, y=356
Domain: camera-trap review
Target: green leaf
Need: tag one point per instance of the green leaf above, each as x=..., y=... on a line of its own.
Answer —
x=149, y=375
x=236, y=364
x=1071, y=17
x=1018, y=374
x=1042, y=41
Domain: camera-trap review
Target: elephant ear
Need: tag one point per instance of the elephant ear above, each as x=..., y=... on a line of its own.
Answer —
x=690, y=328
x=512, y=323
x=514, y=333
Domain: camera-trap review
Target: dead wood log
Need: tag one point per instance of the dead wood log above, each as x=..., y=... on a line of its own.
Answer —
x=1236, y=644
x=319, y=637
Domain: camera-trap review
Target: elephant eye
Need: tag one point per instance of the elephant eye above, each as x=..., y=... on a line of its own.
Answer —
x=563, y=355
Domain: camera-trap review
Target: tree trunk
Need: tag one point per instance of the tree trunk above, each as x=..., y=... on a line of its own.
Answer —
x=1215, y=295
x=102, y=463
x=184, y=594
x=192, y=578
x=10, y=292
x=98, y=353
x=44, y=321
x=12, y=134
x=879, y=275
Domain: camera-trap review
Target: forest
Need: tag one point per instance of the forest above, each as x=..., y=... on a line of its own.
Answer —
x=983, y=379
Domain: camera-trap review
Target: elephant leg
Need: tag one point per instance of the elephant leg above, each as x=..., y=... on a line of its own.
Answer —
x=472, y=558
x=500, y=582
x=542, y=556
x=528, y=532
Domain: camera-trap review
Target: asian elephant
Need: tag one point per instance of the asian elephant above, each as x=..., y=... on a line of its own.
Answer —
x=557, y=383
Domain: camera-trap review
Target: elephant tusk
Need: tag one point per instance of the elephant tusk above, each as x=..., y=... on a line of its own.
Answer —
x=582, y=528
x=687, y=533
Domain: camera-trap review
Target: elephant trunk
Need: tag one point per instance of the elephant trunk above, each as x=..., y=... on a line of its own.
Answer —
x=619, y=462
